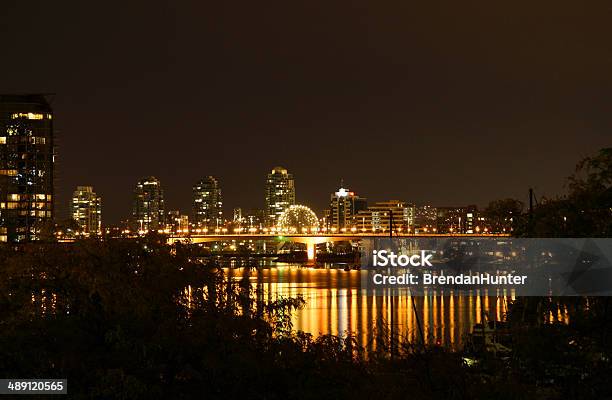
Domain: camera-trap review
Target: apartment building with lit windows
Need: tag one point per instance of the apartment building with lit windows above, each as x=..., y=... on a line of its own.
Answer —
x=148, y=212
x=280, y=194
x=208, y=203
x=86, y=210
x=26, y=167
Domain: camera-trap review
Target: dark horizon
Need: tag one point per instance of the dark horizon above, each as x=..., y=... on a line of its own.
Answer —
x=450, y=105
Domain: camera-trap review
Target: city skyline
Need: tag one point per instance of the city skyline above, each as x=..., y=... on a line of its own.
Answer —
x=226, y=211
x=367, y=92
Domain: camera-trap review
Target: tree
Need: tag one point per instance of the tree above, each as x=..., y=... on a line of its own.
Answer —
x=586, y=210
x=503, y=215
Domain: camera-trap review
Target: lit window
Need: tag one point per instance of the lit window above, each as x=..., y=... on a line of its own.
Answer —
x=37, y=140
x=27, y=115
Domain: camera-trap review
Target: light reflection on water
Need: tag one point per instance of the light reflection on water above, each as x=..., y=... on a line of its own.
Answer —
x=336, y=304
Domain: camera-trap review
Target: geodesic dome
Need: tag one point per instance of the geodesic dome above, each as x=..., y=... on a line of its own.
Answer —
x=297, y=218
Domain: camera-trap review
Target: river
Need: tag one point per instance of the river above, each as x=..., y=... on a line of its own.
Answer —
x=337, y=304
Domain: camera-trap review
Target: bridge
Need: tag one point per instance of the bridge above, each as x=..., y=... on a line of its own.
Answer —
x=311, y=240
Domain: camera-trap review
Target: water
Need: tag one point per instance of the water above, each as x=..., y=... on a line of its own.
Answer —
x=336, y=304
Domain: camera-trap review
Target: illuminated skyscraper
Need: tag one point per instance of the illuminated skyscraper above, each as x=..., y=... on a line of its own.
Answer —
x=86, y=210
x=280, y=194
x=26, y=167
x=207, y=203
x=148, y=211
x=343, y=207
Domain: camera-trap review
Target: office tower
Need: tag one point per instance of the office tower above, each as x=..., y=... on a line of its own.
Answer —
x=86, y=210
x=148, y=211
x=343, y=207
x=207, y=204
x=280, y=194
x=26, y=167
x=376, y=218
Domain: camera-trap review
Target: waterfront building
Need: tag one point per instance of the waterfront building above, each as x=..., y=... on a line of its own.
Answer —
x=377, y=217
x=26, y=167
x=207, y=204
x=148, y=210
x=344, y=205
x=86, y=210
x=280, y=194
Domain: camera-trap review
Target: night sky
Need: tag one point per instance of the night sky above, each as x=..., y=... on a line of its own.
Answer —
x=448, y=103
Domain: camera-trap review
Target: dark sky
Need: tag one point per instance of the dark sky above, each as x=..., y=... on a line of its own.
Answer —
x=432, y=102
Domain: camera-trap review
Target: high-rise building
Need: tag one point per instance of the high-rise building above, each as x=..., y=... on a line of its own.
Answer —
x=280, y=194
x=207, y=204
x=148, y=212
x=377, y=217
x=26, y=167
x=86, y=210
x=344, y=205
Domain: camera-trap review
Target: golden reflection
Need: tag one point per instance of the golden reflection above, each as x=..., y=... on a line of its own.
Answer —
x=337, y=304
